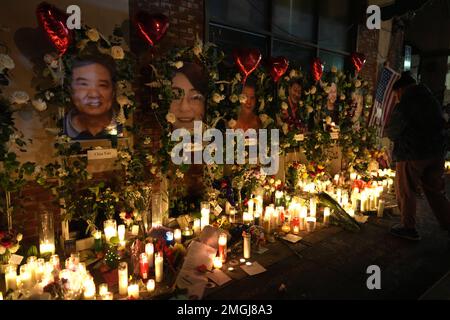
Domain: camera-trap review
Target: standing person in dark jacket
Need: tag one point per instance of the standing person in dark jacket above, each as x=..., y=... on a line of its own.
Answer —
x=417, y=128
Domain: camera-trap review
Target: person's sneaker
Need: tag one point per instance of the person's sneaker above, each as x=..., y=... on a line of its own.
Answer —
x=405, y=233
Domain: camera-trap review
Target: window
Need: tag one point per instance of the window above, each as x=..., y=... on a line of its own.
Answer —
x=297, y=29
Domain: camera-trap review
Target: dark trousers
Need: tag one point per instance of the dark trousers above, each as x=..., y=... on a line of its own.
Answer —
x=430, y=175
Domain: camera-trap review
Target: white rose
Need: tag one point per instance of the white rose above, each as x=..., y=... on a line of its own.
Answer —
x=93, y=35
x=170, y=117
x=217, y=97
x=14, y=248
x=20, y=97
x=19, y=237
x=2, y=250
x=54, y=64
x=6, y=62
x=294, y=73
x=39, y=104
x=242, y=98
x=342, y=96
x=285, y=128
x=313, y=90
x=284, y=106
x=234, y=98
x=117, y=53
x=328, y=120
x=357, y=83
x=309, y=109
x=178, y=64
x=232, y=123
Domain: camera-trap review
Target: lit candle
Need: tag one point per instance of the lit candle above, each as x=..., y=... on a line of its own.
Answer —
x=247, y=218
x=97, y=240
x=232, y=215
x=1, y=295
x=363, y=201
x=32, y=264
x=11, y=277
x=177, y=235
x=380, y=212
x=310, y=224
x=121, y=232
x=151, y=285
x=205, y=215
x=336, y=179
x=150, y=250
x=351, y=212
x=223, y=247
x=159, y=262
x=286, y=228
x=326, y=215
x=267, y=220
x=344, y=199
x=25, y=277
x=143, y=265
x=110, y=229
x=133, y=291
x=353, y=176
x=197, y=226
x=251, y=204
x=339, y=195
x=247, y=244
x=259, y=205
x=89, y=289
x=40, y=269
x=296, y=229
x=135, y=230
x=123, y=278
x=276, y=217
x=103, y=289
x=390, y=183
x=107, y=296
x=312, y=207
x=217, y=262
x=54, y=259
x=186, y=234
x=46, y=247
x=303, y=216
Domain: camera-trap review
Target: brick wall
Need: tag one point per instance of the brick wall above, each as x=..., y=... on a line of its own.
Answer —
x=367, y=43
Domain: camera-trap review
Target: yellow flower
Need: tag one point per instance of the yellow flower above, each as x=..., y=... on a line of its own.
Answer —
x=170, y=117
x=357, y=83
x=284, y=106
x=93, y=35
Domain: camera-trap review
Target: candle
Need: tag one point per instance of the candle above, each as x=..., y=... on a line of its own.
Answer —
x=123, y=278
x=326, y=216
x=247, y=218
x=150, y=250
x=353, y=176
x=276, y=217
x=310, y=224
x=25, y=277
x=251, y=204
x=278, y=198
x=11, y=277
x=143, y=265
x=169, y=237
x=336, y=179
x=390, y=183
x=110, y=229
x=1, y=295
x=177, y=235
x=133, y=291
x=259, y=205
x=223, y=247
x=242, y=260
x=217, y=262
x=103, y=289
x=303, y=215
x=247, y=245
x=32, y=264
x=339, y=195
x=267, y=220
x=107, y=296
x=232, y=215
x=312, y=207
x=89, y=289
x=380, y=212
x=187, y=234
x=151, y=285
x=40, y=269
x=296, y=229
x=54, y=259
x=363, y=201
x=351, y=212
x=135, y=230
x=286, y=228
x=97, y=240
x=159, y=261
x=197, y=226
x=46, y=247
x=205, y=214
x=121, y=232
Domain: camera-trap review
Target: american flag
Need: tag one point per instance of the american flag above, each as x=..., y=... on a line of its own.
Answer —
x=384, y=99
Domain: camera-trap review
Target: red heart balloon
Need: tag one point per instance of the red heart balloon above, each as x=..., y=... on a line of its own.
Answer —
x=277, y=67
x=53, y=21
x=247, y=60
x=151, y=27
x=317, y=69
x=358, y=60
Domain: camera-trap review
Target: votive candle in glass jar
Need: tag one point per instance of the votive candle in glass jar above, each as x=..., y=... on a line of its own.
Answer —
x=123, y=278
x=151, y=285
x=46, y=234
x=247, y=245
x=110, y=229
x=159, y=263
x=11, y=277
x=150, y=250
x=223, y=247
x=143, y=265
x=205, y=210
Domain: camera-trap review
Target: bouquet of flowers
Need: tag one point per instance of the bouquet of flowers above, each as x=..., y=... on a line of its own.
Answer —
x=9, y=244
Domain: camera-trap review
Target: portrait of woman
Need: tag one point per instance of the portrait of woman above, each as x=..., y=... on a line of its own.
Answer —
x=247, y=118
x=92, y=90
x=357, y=106
x=331, y=109
x=189, y=85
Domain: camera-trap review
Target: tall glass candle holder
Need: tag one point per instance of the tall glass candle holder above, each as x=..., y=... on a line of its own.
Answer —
x=123, y=278
x=223, y=247
x=157, y=214
x=46, y=234
x=110, y=229
x=205, y=210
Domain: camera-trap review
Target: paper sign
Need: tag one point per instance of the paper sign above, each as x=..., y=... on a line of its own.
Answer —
x=299, y=137
x=217, y=210
x=254, y=269
x=15, y=259
x=292, y=238
x=218, y=276
x=102, y=154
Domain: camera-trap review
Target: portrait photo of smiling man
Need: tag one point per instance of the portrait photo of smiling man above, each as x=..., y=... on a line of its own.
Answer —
x=92, y=90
